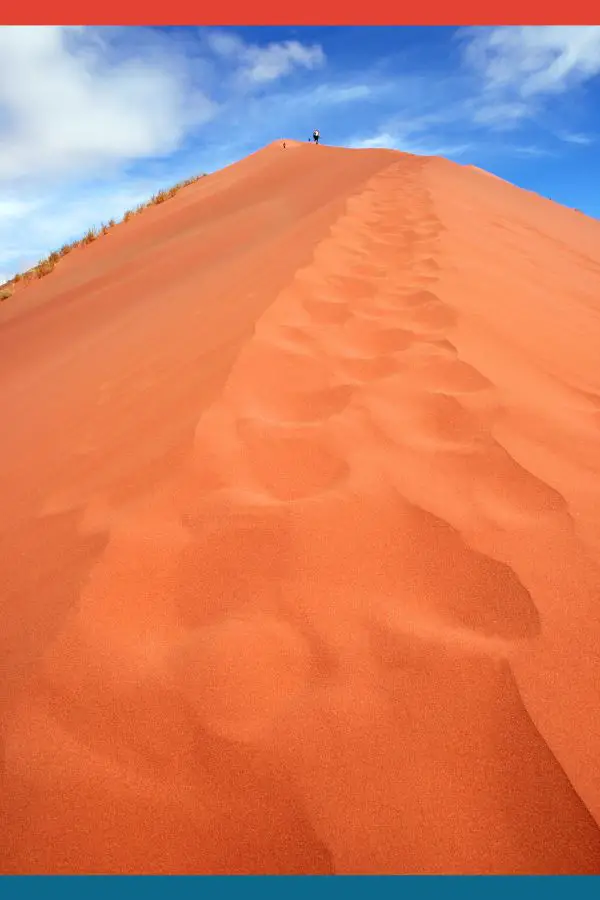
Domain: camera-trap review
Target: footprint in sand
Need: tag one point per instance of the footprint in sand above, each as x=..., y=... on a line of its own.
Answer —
x=241, y=673
x=449, y=376
x=368, y=368
x=369, y=337
x=429, y=421
x=443, y=347
x=272, y=452
x=483, y=595
x=329, y=312
x=386, y=226
x=351, y=286
x=304, y=390
x=424, y=280
x=370, y=270
x=295, y=339
x=434, y=316
x=418, y=568
x=428, y=265
x=268, y=369
x=306, y=406
x=416, y=299
x=512, y=494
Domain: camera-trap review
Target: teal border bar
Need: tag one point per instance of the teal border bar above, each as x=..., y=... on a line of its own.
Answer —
x=264, y=887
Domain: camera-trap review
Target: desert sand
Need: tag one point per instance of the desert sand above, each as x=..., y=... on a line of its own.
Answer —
x=300, y=532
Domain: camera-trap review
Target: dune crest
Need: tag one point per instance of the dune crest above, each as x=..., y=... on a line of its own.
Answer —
x=301, y=541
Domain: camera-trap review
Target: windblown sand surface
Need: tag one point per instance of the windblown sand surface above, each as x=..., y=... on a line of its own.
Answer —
x=300, y=533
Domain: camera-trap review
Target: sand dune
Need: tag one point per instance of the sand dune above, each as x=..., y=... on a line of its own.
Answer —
x=300, y=533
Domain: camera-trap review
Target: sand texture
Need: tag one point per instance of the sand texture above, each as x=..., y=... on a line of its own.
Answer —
x=300, y=531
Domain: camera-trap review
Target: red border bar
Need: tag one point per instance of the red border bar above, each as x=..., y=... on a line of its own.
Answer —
x=308, y=12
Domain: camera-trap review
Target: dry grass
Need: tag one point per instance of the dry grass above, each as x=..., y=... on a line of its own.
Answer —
x=45, y=266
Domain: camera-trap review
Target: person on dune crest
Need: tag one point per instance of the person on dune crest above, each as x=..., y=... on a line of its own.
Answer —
x=316, y=136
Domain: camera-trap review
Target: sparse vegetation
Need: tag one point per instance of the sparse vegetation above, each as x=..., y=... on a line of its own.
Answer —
x=45, y=266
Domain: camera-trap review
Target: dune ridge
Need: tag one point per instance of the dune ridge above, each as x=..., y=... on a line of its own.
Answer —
x=302, y=537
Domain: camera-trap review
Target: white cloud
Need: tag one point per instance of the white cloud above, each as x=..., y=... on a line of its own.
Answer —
x=583, y=140
x=519, y=69
x=334, y=94
x=16, y=208
x=79, y=105
x=380, y=139
x=265, y=64
x=391, y=140
x=424, y=128
x=67, y=104
x=499, y=115
x=532, y=151
x=534, y=60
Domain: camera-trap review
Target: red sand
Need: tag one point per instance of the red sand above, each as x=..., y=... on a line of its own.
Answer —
x=300, y=535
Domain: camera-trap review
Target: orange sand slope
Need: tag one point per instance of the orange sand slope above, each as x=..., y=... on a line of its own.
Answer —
x=300, y=533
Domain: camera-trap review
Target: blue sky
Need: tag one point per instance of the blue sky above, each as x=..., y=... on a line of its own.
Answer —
x=95, y=120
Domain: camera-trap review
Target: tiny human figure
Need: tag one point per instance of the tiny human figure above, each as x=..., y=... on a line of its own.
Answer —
x=316, y=136
x=284, y=145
